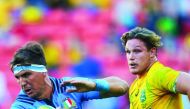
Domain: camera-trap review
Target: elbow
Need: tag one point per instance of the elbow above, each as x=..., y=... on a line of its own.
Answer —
x=188, y=94
x=121, y=91
x=124, y=88
x=118, y=87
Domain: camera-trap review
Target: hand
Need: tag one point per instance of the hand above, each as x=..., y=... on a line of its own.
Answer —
x=79, y=84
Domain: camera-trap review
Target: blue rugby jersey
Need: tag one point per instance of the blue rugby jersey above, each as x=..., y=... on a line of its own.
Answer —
x=60, y=98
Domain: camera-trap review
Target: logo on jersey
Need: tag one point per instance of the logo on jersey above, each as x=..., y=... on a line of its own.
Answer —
x=69, y=104
x=143, y=96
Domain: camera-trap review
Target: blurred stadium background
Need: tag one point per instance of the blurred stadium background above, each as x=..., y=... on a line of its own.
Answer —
x=82, y=38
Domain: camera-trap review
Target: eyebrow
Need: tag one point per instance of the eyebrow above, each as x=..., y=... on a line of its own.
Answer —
x=134, y=47
x=22, y=74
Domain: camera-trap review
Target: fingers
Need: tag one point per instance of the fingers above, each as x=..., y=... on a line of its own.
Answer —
x=74, y=81
x=70, y=83
x=69, y=87
x=66, y=83
x=71, y=90
x=77, y=85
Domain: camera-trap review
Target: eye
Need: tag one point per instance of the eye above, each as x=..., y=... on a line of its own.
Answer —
x=127, y=51
x=26, y=75
x=137, y=51
x=16, y=77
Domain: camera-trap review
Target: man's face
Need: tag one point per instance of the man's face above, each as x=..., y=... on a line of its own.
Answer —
x=32, y=83
x=138, y=56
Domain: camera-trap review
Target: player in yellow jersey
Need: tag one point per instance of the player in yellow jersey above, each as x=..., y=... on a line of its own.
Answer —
x=156, y=86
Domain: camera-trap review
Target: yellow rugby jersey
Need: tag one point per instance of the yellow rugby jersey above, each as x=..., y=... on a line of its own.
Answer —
x=156, y=89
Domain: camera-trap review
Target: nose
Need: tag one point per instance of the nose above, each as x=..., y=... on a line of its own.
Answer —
x=22, y=81
x=130, y=56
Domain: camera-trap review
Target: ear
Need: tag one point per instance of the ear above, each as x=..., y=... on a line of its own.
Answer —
x=153, y=52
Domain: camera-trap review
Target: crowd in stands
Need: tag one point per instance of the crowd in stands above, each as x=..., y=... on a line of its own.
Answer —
x=82, y=38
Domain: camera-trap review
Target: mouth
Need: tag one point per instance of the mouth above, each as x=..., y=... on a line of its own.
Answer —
x=28, y=91
x=133, y=65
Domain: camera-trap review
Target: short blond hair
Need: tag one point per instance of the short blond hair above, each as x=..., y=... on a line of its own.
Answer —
x=150, y=38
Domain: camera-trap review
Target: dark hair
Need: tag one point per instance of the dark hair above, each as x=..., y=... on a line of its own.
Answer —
x=31, y=53
x=150, y=38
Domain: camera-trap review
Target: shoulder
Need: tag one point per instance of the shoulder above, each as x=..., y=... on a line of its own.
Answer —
x=22, y=102
x=162, y=77
x=59, y=80
x=57, y=85
x=159, y=70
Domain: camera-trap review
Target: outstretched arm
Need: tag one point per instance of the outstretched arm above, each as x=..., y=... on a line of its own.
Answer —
x=108, y=87
x=182, y=84
x=118, y=87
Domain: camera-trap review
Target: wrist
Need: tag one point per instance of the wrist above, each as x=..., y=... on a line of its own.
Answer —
x=101, y=85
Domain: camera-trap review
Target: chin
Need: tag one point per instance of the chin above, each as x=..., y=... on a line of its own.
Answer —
x=135, y=72
x=32, y=96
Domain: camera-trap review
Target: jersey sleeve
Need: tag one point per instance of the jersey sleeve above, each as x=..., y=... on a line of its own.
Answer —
x=91, y=95
x=17, y=107
x=20, y=105
x=23, y=102
x=165, y=79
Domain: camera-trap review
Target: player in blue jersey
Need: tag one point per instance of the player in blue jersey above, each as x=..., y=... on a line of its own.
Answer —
x=40, y=91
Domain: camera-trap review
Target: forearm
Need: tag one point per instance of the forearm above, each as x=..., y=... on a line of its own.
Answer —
x=117, y=87
x=108, y=87
x=182, y=85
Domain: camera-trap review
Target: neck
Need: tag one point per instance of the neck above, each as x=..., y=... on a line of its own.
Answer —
x=147, y=69
x=48, y=89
